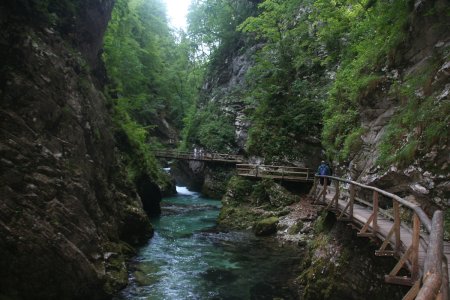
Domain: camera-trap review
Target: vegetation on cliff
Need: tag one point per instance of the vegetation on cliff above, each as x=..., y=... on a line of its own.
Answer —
x=321, y=65
x=212, y=28
x=151, y=77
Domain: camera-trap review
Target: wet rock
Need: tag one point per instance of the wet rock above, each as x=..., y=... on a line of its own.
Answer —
x=341, y=266
x=266, y=226
x=296, y=228
x=262, y=291
x=217, y=275
x=150, y=195
x=420, y=189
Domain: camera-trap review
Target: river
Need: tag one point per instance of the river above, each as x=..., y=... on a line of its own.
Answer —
x=189, y=259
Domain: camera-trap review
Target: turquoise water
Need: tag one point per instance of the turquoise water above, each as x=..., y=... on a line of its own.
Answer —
x=189, y=259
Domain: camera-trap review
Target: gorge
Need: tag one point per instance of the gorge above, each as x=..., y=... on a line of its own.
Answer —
x=92, y=89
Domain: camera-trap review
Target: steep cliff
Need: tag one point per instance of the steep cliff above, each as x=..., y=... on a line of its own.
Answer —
x=404, y=140
x=66, y=210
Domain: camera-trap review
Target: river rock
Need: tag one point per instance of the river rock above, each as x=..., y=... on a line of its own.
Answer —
x=266, y=226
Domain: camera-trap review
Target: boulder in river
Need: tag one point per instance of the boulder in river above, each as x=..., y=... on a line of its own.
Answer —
x=266, y=226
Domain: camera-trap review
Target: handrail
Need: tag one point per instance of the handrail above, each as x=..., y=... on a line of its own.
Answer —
x=271, y=166
x=416, y=208
x=206, y=156
x=287, y=173
x=434, y=275
x=432, y=278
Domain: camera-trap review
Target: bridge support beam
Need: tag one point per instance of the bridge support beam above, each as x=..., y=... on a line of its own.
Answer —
x=411, y=256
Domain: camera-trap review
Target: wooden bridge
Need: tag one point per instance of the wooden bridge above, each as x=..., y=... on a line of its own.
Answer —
x=200, y=156
x=275, y=172
x=417, y=243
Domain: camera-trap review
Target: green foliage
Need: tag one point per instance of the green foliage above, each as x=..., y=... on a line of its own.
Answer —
x=149, y=70
x=241, y=188
x=321, y=224
x=211, y=30
x=151, y=75
x=365, y=33
x=352, y=143
x=59, y=13
x=259, y=193
x=212, y=25
x=447, y=224
x=209, y=127
x=137, y=154
x=287, y=85
x=216, y=134
x=422, y=122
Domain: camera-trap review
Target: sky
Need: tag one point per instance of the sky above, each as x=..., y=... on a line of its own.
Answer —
x=177, y=11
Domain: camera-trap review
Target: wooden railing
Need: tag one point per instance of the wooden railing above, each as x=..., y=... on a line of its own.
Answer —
x=419, y=251
x=200, y=155
x=275, y=172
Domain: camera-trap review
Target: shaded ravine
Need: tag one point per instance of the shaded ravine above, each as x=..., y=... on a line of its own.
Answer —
x=189, y=259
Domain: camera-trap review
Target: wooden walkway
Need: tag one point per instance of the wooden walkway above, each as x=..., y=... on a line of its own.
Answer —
x=275, y=172
x=418, y=245
x=200, y=156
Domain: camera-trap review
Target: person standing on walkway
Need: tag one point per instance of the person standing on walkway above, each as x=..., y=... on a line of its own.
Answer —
x=324, y=169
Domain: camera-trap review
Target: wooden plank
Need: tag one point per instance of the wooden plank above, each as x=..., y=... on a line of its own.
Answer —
x=400, y=280
x=415, y=248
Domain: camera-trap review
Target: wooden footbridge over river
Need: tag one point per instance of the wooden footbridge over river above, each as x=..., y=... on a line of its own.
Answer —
x=200, y=156
x=247, y=170
x=416, y=242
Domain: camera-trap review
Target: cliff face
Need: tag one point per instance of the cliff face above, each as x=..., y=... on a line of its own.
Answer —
x=424, y=58
x=223, y=89
x=65, y=206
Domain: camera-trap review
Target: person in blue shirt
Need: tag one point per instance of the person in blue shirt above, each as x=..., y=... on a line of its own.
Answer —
x=324, y=169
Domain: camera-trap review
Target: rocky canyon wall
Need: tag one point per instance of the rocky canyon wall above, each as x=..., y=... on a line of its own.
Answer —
x=67, y=214
x=421, y=64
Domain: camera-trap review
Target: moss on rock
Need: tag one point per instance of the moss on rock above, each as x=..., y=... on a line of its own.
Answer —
x=247, y=202
x=266, y=226
x=340, y=266
x=241, y=217
x=296, y=228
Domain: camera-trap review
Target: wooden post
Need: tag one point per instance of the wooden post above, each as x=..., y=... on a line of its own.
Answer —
x=256, y=171
x=415, y=248
x=397, y=226
x=336, y=195
x=432, y=277
x=314, y=189
x=352, y=199
x=325, y=184
x=375, y=213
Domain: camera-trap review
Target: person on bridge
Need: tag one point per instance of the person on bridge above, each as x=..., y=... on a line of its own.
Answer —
x=324, y=169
